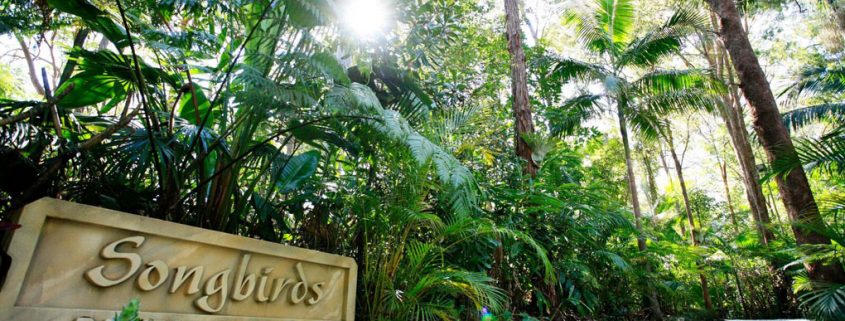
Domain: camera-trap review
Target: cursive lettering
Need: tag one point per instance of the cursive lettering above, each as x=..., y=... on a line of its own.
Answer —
x=214, y=292
x=96, y=275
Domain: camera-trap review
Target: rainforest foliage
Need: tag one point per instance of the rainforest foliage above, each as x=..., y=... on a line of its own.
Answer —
x=479, y=159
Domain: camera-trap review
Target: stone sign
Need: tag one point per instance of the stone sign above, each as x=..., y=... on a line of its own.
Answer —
x=75, y=262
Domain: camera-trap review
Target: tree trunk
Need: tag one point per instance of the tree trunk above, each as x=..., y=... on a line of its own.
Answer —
x=651, y=188
x=747, y=163
x=731, y=112
x=742, y=303
x=794, y=187
x=70, y=65
x=635, y=203
x=760, y=212
x=705, y=289
x=723, y=167
x=523, y=123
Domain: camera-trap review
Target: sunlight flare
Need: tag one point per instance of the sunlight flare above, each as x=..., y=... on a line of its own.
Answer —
x=366, y=19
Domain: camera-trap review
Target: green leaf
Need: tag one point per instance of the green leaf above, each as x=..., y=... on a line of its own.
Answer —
x=119, y=97
x=94, y=18
x=312, y=134
x=80, y=8
x=330, y=67
x=113, y=31
x=308, y=13
x=797, y=118
x=129, y=312
x=566, y=70
x=189, y=112
x=818, y=78
x=297, y=170
x=572, y=114
x=89, y=90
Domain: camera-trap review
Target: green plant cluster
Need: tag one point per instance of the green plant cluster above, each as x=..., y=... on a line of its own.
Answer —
x=267, y=119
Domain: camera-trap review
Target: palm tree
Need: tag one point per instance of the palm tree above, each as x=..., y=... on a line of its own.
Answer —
x=606, y=31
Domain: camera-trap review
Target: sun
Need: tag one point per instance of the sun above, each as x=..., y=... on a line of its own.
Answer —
x=366, y=19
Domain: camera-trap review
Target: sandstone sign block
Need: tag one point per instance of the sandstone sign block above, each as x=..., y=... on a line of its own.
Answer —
x=77, y=262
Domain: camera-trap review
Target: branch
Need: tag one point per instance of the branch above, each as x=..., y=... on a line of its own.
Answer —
x=36, y=109
x=99, y=138
x=30, y=65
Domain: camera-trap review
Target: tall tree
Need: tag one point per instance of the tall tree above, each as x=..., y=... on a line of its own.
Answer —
x=767, y=122
x=731, y=110
x=523, y=124
x=694, y=237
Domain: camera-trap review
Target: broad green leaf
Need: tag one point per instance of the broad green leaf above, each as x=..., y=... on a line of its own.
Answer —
x=89, y=90
x=80, y=8
x=297, y=170
x=120, y=96
x=307, y=13
x=96, y=19
x=195, y=114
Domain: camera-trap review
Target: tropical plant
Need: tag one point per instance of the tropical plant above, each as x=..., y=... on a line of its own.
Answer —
x=819, y=82
x=276, y=120
x=129, y=312
x=226, y=123
x=605, y=29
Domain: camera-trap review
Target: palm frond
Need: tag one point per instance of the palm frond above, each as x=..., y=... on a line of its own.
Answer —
x=567, y=70
x=616, y=17
x=678, y=101
x=824, y=300
x=667, y=81
x=826, y=154
x=644, y=123
x=574, y=111
x=548, y=270
x=478, y=287
x=404, y=93
x=593, y=29
x=617, y=260
x=649, y=49
x=818, y=79
x=460, y=187
x=801, y=117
